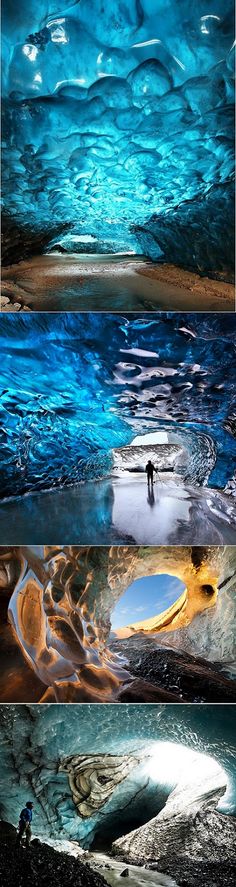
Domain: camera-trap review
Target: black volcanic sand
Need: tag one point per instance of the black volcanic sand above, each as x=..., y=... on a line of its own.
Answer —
x=189, y=873
x=190, y=679
x=41, y=865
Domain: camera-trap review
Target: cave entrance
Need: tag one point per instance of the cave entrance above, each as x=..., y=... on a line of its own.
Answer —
x=143, y=803
x=163, y=448
x=149, y=603
x=122, y=822
x=169, y=774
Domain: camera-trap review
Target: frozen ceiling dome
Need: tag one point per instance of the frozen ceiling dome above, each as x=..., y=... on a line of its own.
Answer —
x=117, y=127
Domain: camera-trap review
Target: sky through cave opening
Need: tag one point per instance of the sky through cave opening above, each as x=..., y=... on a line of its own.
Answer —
x=145, y=600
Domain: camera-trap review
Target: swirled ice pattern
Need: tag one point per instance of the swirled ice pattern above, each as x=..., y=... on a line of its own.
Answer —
x=75, y=386
x=118, y=121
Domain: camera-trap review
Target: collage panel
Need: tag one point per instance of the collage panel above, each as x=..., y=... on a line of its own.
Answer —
x=118, y=429
x=118, y=624
x=118, y=155
x=145, y=792
x=117, y=445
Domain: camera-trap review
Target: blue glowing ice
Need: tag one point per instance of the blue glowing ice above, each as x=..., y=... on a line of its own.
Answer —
x=75, y=386
x=118, y=121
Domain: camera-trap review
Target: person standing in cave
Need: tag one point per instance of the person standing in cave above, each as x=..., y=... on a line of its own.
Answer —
x=24, y=828
x=150, y=468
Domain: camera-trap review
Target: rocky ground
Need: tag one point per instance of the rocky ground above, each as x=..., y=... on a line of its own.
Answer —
x=41, y=865
x=195, y=844
x=215, y=294
x=198, y=874
x=44, y=866
x=188, y=678
x=7, y=305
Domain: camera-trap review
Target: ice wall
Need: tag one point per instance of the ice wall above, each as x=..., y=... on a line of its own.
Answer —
x=117, y=128
x=73, y=387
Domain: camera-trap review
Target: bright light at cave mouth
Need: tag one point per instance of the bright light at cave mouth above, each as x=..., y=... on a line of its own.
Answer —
x=171, y=763
x=146, y=598
x=157, y=437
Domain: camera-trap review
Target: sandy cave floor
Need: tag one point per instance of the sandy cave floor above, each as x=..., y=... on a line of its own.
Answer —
x=102, y=283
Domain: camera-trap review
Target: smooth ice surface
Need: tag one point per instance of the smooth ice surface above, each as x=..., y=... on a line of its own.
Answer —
x=74, y=387
x=118, y=128
x=120, y=512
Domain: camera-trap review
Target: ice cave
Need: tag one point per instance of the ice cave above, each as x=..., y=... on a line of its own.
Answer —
x=117, y=141
x=148, y=788
x=57, y=640
x=77, y=393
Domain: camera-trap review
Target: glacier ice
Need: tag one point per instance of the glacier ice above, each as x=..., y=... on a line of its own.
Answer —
x=125, y=760
x=76, y=386
x=117, y=127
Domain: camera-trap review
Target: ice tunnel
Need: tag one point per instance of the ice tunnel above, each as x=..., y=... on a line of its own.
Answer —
x=76, y=387
x=59, y=603
x=118, y=130
x=88, y=775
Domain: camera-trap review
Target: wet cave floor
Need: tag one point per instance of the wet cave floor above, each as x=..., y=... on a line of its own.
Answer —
x=181, y=873
x=120, y=511
x=112, y=870
x=98, y=283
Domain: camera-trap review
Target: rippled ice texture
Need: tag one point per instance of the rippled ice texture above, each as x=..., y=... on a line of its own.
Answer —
x=75, y=386
x=117, y=121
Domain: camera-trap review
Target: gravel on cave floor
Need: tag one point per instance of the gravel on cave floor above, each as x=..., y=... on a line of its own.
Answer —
x=42, y=866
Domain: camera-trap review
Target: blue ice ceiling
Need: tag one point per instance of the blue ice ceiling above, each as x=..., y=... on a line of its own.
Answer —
x=74, y=386
x=118, y=128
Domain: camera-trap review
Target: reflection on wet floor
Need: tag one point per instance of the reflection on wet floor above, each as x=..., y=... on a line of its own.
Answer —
x=104, y=283
x=120, y=511
x=112, y=869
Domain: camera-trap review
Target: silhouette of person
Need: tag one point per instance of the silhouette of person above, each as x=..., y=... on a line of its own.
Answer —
x=150, y=468
x=24, y=828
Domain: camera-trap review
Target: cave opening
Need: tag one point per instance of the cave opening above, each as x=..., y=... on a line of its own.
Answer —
x=145, y=807
x=149, y=603
x=168, y=453
x=171, y=777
